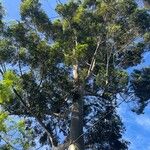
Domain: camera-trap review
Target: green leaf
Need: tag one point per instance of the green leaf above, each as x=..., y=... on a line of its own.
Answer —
x=80, y=50
x=5, y=93
x=3, y=117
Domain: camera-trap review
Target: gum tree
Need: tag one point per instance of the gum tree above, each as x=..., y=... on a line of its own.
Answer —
x=65, y=76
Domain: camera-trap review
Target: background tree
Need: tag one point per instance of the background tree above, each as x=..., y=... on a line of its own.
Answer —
x=147, y=3
x=64, y=75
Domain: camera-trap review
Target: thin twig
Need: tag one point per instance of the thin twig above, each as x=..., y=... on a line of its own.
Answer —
x=8, y=143
x=93, y=61
x=37, y=118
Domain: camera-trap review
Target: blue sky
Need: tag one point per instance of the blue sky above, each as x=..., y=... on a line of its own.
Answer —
x=137, y=126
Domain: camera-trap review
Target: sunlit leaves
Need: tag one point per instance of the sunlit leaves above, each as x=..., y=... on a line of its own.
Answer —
x=28, y=5
x=21, y=124
x=113, y=28
x=78, y=53
x=79, y=14
x=67, y=10
x=22, y=53
x=104, y=8
x=80, y=50
x=31, y=11
x=5, y=93
x=147, y=37
x=10, y=81
x=3, y=117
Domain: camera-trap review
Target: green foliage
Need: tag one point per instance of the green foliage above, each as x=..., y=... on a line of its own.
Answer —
x=1, y=11
x=83, y=74
x=120, y=80
x=101, y=76
x=10, y=81
x=6, y=50
x=147, y=37
x=3, y=117
x=18, y=31
x=32, y=10
x=22, y=53
x=67, y=10
x=113, y=28
x=5, y=93
x=79, y=14
x=127, y=6
x=104, y=8
x=21, y=124
x=28, y=5
x=14, y=133
x=141, y=20
x=1, y=16
x=80, y=50
x=140, y=84
x=133, y=55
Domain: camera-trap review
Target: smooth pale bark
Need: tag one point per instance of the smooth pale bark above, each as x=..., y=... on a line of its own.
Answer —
x=76, y=129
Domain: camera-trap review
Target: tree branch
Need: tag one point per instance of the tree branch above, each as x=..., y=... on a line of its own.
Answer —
x=49, y=132
x=8, y=143
x=93, y=61
x=1, y=72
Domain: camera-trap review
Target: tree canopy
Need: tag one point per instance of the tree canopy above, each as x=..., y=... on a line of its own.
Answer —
x=64, y=78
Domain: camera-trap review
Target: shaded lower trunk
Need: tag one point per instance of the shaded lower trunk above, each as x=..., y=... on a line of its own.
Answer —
x=76, y=129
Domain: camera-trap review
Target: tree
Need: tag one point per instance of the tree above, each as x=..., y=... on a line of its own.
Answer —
x=147, y=3
x=64, y=75
x=140, y=86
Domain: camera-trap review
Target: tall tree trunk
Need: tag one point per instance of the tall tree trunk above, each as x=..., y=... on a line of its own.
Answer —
x=76, y=129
